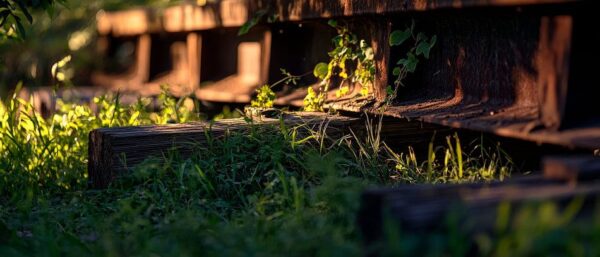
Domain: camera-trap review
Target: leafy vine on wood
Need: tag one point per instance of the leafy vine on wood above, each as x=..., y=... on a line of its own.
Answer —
x=421, y=47
x=351, y=62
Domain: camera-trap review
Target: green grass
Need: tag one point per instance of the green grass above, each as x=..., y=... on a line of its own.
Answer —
x=267, y=191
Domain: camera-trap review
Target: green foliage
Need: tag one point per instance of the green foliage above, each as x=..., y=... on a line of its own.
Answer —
x=397, y=37
x=313, y=102
x=174, y=110
x=351, y=62
x=258, y=16
x=266, y=191
x=542, y=229
x=483, y=162
x=421, y=46
x=49, y=154
x=264, y=98
x=227, y=113
x=321, y=70
x=61, y=29
x=14, y=12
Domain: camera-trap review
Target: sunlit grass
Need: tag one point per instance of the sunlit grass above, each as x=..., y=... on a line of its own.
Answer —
x=266, y=191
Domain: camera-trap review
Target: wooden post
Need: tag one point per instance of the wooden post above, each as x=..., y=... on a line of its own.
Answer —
x=380, y=33
x=194, y=49
x=265, y=56
x=553, y=68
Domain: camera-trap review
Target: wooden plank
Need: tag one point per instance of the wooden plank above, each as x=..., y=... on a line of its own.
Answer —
x=132, y=22
x=299, y=10
x=571, y=168
x=115, y=150
x=220, y=14
x=233, y=13
x=418, y=208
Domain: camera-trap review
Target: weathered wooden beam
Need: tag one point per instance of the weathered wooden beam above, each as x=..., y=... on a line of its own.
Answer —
x=234, y=13
x=132, y=22
x=418, y=208
x=113, y=151
x=571, y=168
x=297, y=10
x=192, y=17
x=484, y=75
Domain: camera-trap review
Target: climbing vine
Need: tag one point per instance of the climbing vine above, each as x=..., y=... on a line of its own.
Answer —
x=421, y=47
x=352, y=63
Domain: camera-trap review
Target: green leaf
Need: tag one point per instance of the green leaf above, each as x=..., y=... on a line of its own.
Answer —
x=389, y=90
x=252, y=22
x=321, y=70
x=411, y=64
x=273, y=18
x=338, y=41
x=20, y=28
x=332, y=23
x=246, y=27
x=25, y=11
x=397, y=37
x=396, y=71
x=423, y=49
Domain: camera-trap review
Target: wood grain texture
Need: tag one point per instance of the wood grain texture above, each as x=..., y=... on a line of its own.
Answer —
x=115, y=150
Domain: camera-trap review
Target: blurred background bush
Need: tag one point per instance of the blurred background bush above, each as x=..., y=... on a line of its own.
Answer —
x=36, y=34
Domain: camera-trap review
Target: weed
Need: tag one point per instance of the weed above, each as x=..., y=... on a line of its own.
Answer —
x=265, y=96
x=351, y=62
